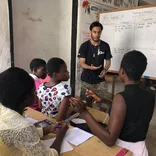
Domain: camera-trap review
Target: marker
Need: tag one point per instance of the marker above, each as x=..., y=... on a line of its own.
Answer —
x=122, y=152
x=72, y=117
x=146, y=77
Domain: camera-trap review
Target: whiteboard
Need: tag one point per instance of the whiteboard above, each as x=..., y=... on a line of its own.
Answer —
x=131, y=30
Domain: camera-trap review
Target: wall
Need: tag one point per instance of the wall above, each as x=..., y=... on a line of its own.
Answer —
x=65, y=19
x=41, y=29
x=5, y=58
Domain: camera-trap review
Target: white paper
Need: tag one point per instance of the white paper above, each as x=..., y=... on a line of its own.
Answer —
x=78, y=121
x=65, y=147
x=77, y=136
x=33, y=121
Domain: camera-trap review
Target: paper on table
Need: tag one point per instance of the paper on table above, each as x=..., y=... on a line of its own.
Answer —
x=31, y=120
x=77, y=136
x=65, y=147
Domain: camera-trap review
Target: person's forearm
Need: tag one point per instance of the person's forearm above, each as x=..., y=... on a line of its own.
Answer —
x=106, y=100
x=46, y=130
x=85, y=66
x=108, y=64
x=61, y=117
x=63, y=109
x=57, y=143
x=99, y=99
x=102, y=133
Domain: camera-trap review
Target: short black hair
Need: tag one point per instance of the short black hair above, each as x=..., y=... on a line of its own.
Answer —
x=134, y=63
x=15, y=85
x=53, y=65
x=36, y=63
x=96, y=24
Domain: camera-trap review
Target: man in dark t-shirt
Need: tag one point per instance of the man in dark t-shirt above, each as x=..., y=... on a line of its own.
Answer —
x=92, y=54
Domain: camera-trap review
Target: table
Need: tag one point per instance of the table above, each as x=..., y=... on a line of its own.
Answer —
x=92, y=147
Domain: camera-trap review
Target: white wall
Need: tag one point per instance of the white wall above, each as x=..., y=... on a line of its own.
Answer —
x=5, y=58
x=42, y=28
x=65, y=19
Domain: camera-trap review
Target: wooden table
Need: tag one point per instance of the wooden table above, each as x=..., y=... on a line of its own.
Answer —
x=92, y=147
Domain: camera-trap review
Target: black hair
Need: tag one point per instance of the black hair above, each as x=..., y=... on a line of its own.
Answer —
x=134, y=63
x=96, y=24
x=53, y=65
x=36, y=63
x=15, y=85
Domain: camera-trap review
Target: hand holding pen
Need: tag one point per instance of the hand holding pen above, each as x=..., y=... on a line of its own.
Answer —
x=53, y=128
x=66, y=121
x=61, y=129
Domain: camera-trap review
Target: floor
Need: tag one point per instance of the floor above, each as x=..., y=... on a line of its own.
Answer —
x=151, y=136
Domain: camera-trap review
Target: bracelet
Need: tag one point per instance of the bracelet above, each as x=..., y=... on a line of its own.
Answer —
x=105, y=69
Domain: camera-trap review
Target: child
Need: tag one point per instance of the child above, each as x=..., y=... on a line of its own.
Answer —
x=54, y=95
x=38, y=70
x=131, y=110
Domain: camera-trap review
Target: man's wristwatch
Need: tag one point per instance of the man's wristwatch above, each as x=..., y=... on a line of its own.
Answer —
x=105, y=69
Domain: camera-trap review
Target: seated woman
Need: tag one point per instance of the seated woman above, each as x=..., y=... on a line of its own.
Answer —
x=54, y=95
x=131, y=110
x=17, y=136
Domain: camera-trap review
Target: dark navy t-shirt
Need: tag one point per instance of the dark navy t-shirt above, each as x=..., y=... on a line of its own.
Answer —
x=94, y=55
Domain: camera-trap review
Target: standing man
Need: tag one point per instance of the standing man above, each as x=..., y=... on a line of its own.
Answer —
x=92, y=54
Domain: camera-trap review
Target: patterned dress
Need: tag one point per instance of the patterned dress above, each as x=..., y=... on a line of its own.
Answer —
x=51, y=97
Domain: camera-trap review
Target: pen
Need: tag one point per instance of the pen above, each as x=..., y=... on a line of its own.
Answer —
x=122, y=152
x=72, y=117
x=57, y=126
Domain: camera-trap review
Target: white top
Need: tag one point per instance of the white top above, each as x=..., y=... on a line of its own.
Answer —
x=34, y=77
x=18, y=137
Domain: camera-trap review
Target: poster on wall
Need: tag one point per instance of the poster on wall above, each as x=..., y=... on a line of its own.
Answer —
x=89, y=9
x=118, y=3
x=89, y=13
x=5, y=55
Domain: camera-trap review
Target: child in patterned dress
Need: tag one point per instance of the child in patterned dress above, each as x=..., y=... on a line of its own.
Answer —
x=54, y=95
